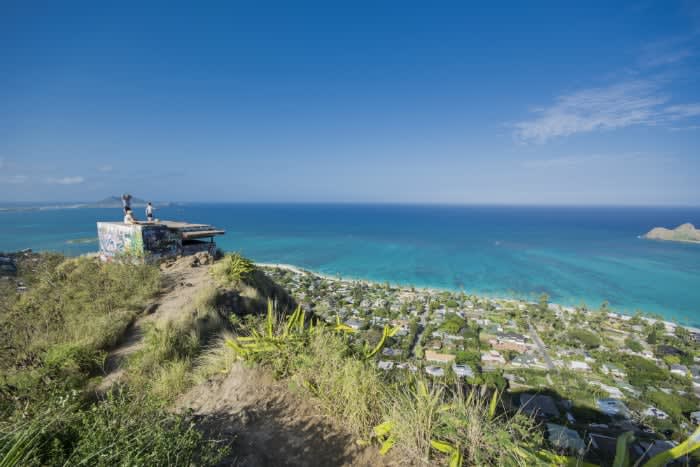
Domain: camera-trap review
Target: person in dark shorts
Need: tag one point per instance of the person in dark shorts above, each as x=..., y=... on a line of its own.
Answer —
x=126, y=202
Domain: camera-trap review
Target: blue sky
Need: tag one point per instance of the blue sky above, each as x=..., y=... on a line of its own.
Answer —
x=434, y=102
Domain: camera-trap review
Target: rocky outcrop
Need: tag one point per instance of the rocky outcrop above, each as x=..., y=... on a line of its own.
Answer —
x=683, y=233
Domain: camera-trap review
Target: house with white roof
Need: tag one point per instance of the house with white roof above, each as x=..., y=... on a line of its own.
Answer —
x=385, y=365
x=654, y=412
x=579, y=366
x=680, y=370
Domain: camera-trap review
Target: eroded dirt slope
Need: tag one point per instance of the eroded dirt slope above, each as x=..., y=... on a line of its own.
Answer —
x=270, y=424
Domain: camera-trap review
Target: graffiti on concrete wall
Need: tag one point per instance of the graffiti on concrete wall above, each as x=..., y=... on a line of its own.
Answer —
x=137, y=241
x=119, y=239
x=159, y=241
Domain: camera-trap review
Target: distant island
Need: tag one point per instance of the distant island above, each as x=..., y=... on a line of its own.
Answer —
x=109, y=202
x=683, y=233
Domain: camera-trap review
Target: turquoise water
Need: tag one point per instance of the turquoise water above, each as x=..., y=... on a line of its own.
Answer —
x=576, y=255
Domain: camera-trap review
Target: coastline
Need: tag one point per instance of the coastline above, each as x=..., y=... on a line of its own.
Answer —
x=565, y=308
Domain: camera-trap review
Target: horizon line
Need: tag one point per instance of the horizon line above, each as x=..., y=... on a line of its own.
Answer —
x=375, y=203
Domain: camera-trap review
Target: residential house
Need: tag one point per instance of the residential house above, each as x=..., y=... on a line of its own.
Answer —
x=655, y=413
x=579, y=366
x=355, y=323
x=492, y=358
x=385, y=365
x=680, y=370
x=463, y=371
x=565, y=438
x=644, y=449
x=436, y=357
x=613, y=408
x=407, y=366
x=695, y=417
x=453, y=337
x=613, y=370
x=435, y=370
x=611, y=390
x=629, y=388
x=538, y=405
x=389, y=352
x=527, y=361
x=509, y=341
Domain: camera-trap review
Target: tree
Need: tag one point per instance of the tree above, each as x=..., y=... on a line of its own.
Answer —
x=682, y=333
x=452, y=324
x=587, y=338
x=633, y=344
x=468, y=357
x=652, y=338
x=544, y=301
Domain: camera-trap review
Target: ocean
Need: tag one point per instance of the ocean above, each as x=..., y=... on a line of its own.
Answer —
x=577, y=255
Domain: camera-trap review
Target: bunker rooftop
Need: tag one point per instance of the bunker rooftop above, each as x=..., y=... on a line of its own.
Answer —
x=152, y=241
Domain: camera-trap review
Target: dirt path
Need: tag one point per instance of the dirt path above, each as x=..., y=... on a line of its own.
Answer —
x=270, y=425
x=181, y=283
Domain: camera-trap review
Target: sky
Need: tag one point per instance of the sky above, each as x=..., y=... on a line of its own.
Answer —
x=386, y=102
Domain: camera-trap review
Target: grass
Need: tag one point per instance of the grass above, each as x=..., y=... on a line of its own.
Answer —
x=79, y=302
x=164, y=366
x=215, y=359
x=55, y=337
x=413, y=418
x=234, y=268
x=122, y=430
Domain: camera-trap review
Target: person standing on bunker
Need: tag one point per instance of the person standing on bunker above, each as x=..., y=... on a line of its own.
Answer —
x=149, y=212
x=126, y=202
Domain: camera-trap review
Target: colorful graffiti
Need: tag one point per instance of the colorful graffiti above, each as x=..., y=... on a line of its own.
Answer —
x=145, y=242
x=119, y=239
x=159, y=241
x=136, y=241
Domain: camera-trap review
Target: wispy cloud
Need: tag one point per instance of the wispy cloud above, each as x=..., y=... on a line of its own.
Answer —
x=667, y=51
x=2, y=163
x=622, y=103
x=105, y=168
x=640, y=102
x=13, y=179
x=66, y=180
x=681, y=111
x=603, y=108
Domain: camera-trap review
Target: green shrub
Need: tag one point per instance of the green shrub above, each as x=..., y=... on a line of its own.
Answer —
x=643, y=372
x=586, y=338
x=233, y=268
x=633, y=344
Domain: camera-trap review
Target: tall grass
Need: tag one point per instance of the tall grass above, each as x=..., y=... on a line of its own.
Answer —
x=164, y=364
x=80, y=301
x=413, y=420
x=123, y=430
x=54, y=340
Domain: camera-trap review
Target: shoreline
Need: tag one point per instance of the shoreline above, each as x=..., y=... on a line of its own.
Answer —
x=565, y=308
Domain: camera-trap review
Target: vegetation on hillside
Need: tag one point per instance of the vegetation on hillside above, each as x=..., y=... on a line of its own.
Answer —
x=413, y=417
x=57, y=334
x=55, y=339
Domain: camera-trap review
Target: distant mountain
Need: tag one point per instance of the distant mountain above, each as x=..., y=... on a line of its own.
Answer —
x=116, y=202
x=109, y=202
x=683, y=233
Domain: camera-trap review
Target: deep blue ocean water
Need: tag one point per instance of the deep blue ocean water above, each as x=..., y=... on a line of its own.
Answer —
x=576, y=255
